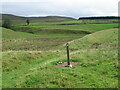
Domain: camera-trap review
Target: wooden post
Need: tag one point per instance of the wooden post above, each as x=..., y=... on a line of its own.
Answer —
x=68, y=58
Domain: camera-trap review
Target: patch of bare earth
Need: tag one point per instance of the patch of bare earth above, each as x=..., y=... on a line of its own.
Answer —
x=64, y=64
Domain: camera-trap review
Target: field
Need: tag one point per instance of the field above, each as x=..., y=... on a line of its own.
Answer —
x=31, y=52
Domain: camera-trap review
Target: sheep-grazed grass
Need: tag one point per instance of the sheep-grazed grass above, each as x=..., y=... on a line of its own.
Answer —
x=29, y=59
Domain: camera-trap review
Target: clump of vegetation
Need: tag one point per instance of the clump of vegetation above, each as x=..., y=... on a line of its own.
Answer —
x=27, y=21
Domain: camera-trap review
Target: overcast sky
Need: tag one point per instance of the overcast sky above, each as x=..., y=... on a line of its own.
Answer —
x=71, y=8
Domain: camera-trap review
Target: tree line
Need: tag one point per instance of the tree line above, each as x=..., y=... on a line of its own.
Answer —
x=104, y=17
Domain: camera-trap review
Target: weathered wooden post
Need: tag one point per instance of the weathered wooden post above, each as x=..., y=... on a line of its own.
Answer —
x=68, y=58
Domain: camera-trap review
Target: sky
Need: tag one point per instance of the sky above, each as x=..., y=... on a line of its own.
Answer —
x=69, y=8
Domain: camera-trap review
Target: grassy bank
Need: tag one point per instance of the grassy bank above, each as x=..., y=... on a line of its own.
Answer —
x=95, y=53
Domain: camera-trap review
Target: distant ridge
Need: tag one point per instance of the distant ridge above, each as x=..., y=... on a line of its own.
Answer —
x=22, y=20
x=15, y=17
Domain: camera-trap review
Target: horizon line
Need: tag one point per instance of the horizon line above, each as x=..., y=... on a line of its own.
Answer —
x=59, y=15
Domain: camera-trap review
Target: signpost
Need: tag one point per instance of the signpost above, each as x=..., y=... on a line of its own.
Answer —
x=68, y=58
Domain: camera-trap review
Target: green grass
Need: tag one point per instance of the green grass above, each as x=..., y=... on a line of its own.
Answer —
x=13, y=40
x=81, y=27
x=36, y=36
x=98, y=39
x=95, y=53
x=10, y=34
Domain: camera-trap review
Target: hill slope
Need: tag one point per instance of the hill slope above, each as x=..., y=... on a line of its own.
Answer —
x=102, y=39
x=97, y=66
x=8, y=34
x=20, y=19
x=13, y=40
x=14, y=17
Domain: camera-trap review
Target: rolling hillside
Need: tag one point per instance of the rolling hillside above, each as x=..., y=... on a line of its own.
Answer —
x=14, y=17
x=20, y=19
x=95, y=53
x=17, y=41
x=31, y=54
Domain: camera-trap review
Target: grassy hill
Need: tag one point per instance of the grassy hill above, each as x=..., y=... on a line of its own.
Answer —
x=20, y=19
x=72, y=21
x=8, y=34
x=37, y=35
x=14, y=17
x=13, y=40
x=31, y=52
x=58, y=28
x=97, y=66
x=101, y=39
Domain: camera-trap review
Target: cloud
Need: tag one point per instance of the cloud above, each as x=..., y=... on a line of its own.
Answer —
x=73, y=8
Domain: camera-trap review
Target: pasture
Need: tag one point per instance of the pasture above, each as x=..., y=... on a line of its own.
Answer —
x=30, y=54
